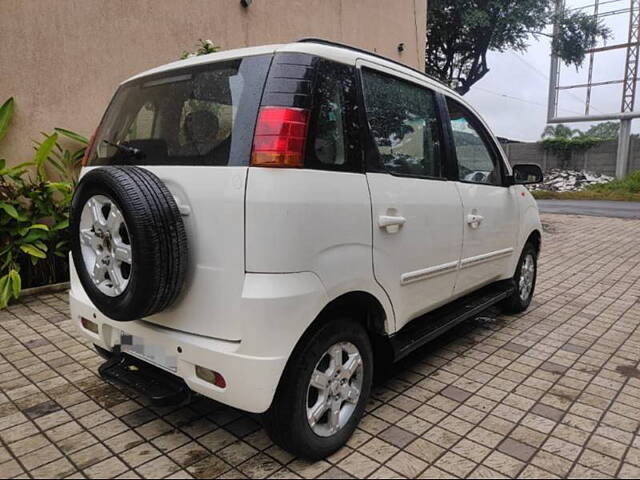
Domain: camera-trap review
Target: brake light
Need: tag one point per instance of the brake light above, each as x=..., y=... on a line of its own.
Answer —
x=281, y=134
x=85, y=158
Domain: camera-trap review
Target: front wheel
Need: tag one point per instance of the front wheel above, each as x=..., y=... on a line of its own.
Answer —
x=323, y=392
x=524, y=281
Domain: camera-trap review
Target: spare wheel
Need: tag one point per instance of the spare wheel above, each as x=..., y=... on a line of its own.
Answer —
x=128, y=242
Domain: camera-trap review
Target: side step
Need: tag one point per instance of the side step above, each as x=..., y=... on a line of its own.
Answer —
x=161, y=387
x=433, y=324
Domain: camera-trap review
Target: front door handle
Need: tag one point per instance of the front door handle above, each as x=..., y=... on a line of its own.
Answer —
x=474, y=220
x=391, y=223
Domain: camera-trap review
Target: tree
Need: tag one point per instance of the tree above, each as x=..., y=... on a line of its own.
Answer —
x=461, y=32
x=604, y=131
x=560, y=131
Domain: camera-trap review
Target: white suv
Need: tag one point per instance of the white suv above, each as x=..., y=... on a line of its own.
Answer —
x=263, y=225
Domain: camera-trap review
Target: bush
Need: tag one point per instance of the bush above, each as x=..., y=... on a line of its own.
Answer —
x=629, y=184
x=34, y=213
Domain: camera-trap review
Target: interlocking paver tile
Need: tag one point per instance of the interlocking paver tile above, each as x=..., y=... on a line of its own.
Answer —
x=455, y=464
x=407, y=464
x=397, y=436
x=552, y=392
x=516, y=449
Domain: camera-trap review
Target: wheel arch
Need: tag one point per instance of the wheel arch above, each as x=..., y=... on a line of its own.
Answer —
x=362, y=307
x=535, y=237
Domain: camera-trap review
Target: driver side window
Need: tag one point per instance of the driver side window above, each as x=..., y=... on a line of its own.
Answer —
x=476, y=161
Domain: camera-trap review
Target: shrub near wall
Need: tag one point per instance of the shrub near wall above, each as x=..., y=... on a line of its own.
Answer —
x=34, y=212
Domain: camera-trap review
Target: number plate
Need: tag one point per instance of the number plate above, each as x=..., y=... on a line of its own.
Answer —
x=155, y=354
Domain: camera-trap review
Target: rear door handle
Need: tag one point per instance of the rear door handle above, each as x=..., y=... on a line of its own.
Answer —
x=391, y=223
x=474, y=220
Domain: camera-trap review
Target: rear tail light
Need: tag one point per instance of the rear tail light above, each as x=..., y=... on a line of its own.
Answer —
x=87, y=152
x=211, y=376
x=281, y=134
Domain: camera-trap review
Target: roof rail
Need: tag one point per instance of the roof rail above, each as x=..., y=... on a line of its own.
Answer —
x=331, y=43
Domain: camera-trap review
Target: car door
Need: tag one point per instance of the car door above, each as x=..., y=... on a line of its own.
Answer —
x=417, y=235
x=490, y=210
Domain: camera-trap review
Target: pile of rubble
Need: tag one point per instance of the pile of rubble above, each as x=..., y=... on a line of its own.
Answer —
x=570, y=180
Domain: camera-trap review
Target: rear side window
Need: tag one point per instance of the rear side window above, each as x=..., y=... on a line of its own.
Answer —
x=203, y=115
x=333, y=142
x=477, y=162
x=404, y=124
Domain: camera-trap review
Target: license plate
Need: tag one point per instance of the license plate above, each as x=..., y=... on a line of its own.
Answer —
x=155, y=354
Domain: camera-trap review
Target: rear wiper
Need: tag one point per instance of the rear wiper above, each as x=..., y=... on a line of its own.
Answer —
x=131, y=151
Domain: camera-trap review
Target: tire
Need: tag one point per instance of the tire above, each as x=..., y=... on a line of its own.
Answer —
x=286, y=421
x=132, y=231
x=520, y=299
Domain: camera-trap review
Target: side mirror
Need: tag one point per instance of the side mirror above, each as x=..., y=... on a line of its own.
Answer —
x=527, y=174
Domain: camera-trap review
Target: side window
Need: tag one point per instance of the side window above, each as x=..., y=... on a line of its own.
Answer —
x=476, y=161
x=333, y=142
x=403, y=120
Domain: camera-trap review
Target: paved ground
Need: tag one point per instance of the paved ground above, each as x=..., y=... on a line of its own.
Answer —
x=594, y=208
x=554, y=392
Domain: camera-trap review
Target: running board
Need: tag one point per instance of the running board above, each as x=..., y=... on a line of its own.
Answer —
x=160, y=386
x=433, y=324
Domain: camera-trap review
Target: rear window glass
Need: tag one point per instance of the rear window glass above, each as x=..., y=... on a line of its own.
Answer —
x=203, y=115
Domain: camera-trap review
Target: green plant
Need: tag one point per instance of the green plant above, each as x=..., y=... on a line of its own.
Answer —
x=6, y=112
x=66, y=162
x=204, y=47
x=565, y=146
x=629, y=184
x=34, y=213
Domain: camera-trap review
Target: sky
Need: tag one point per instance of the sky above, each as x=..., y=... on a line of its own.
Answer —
x=513, y=96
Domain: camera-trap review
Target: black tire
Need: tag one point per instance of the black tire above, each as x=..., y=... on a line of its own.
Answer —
x=515, y=303
x=158, y=241
x=286, y=421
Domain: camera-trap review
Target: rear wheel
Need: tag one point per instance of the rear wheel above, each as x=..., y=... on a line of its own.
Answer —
x=524, y=281
x=323, y=392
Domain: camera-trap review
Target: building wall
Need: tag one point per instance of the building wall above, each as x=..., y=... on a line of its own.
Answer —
x=599, y=159
x=63, y=59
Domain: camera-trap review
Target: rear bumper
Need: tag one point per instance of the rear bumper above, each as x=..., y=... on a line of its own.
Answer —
x=273, y=323
x=251, y=381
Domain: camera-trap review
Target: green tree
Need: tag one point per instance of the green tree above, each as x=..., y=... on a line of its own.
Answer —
x=560, y=131
x=604, y=131
x=461, y=32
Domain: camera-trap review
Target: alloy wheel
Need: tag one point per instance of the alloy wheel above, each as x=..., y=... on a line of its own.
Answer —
x=105, y=245
x=334, y=389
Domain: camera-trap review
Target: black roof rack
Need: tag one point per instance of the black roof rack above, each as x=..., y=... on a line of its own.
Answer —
x=331, y=43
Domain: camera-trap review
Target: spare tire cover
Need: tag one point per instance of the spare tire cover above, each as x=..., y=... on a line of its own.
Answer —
x=128, y=242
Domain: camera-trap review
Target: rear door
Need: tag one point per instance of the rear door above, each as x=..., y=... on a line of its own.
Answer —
x=195, y=128
x=417, y=233
x=490, y=218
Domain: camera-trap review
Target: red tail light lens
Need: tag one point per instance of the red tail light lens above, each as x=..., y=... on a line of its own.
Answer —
x=281, y=134
x=87, y=152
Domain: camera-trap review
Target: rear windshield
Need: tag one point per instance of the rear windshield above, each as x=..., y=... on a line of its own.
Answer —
x=203, y=115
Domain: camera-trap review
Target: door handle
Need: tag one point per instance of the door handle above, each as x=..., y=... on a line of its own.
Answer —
x=474, y=220
x=391, y=223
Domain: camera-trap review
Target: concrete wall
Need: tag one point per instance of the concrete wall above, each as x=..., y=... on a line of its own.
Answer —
x=63, y=59
x=599, y=159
